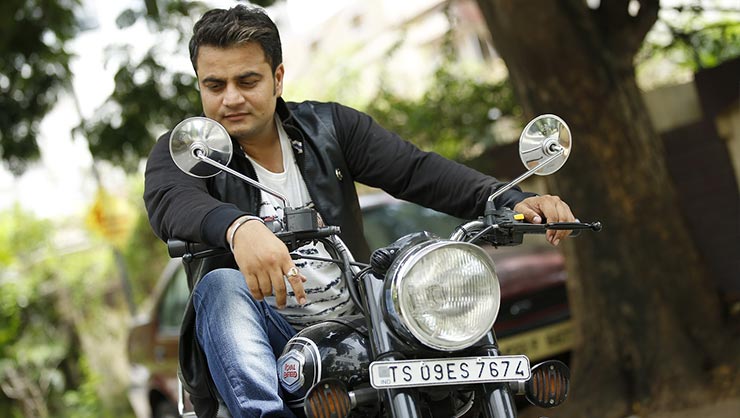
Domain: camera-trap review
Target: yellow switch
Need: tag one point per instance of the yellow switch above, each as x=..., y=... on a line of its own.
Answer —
x=519, y=217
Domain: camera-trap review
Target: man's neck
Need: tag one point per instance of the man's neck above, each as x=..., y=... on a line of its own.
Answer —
x=265, y=150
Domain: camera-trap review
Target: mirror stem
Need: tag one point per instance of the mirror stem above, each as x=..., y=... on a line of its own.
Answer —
x=199, y=154
x=501, y=190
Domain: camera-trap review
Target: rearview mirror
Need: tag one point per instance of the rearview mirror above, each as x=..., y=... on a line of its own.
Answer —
x=544, y=146
x=198, y=137
x=543, y=137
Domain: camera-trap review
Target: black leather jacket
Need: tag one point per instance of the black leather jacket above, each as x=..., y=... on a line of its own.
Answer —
x=335, y=146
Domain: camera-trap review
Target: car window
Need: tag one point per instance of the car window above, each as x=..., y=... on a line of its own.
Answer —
x=387, y=222
x=173, y=303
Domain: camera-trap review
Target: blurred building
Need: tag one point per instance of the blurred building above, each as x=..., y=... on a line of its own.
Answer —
x=344, y=53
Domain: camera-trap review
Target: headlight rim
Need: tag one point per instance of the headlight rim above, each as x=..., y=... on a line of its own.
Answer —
x=398, y=315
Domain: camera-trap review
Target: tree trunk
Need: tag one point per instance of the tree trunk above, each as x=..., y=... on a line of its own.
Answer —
x=649, y=331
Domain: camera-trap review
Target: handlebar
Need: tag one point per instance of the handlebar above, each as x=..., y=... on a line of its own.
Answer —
x=508, y=232
x=178, y=248
x=293, y=240
x=192, y=250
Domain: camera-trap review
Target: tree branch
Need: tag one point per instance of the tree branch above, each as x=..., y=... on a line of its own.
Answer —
x=623, y=33
x=645, y=19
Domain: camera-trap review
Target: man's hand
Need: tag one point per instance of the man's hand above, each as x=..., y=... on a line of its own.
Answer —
x=548, y=207
x=265, y=263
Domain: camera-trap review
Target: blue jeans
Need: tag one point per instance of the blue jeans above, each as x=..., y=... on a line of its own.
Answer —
x=242, y=338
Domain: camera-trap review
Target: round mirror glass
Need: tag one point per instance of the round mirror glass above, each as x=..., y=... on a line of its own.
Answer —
x=206, y=135
x=543, y=137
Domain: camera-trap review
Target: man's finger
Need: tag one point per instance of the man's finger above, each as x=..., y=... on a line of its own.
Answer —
x=253, y=285
x=280, y=292
x=564, y=214
x=530, y=214
x=265, y=283
x=296, y=279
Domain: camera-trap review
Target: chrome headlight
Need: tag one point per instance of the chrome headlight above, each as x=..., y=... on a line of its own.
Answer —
x=444, y=293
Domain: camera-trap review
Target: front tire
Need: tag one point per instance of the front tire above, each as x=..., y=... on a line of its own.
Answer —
x=164, y=409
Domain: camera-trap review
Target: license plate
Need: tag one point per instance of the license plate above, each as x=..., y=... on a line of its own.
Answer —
x=448, y=371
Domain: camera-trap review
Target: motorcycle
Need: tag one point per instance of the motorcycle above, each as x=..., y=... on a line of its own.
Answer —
x=423, y=343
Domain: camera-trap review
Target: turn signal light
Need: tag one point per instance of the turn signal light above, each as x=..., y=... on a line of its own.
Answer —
x=549, y=384
x=327, y=399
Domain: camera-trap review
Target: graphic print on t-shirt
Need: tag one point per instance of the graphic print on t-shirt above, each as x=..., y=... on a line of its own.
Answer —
x=326, y=293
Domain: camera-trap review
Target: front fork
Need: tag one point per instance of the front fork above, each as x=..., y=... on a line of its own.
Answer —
x=404, y=403
x=399, y=403
x=498, y=401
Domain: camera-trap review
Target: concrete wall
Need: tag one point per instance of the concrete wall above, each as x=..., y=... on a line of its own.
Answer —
x=699, y=124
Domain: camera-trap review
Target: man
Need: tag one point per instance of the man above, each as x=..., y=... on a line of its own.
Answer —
x=312, y=153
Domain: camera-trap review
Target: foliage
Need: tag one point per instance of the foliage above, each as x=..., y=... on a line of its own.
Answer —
x=145, y=255
x=693, y=37
x=33, y=71
x=456, y=115
x=50, y=299
x=331, y=77
x=149, y=98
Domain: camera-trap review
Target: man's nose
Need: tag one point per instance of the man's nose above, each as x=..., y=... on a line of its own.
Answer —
x=232, y=96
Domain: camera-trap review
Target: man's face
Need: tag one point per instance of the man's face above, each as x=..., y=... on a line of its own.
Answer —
x=238, y=89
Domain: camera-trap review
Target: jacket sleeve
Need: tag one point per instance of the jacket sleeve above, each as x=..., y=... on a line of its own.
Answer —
x=381, y=159
x=179, y=206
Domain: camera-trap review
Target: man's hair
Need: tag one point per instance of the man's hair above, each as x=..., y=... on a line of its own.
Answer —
x=234, y=27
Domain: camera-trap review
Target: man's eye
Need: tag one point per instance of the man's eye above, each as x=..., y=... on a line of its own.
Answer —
x=248, y=83
x=213, y=87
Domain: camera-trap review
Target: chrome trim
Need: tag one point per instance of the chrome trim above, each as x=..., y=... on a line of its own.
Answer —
x=462, y=230
x=316, y=353
x=180, y=398
x=559, y=151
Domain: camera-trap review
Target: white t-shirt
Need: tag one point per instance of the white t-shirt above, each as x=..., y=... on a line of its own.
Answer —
x=326, y=293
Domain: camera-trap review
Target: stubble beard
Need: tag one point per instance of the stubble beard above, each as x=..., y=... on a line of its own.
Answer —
x=249, y=134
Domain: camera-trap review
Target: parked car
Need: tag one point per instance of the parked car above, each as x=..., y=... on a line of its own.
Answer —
x=533, y=319
x=152, y=345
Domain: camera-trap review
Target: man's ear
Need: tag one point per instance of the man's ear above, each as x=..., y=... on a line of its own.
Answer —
x=279, y=73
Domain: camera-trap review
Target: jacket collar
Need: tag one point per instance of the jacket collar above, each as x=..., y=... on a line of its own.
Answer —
x=290, y=125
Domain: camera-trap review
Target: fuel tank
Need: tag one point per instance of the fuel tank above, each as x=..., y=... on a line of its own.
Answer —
x=338, y=348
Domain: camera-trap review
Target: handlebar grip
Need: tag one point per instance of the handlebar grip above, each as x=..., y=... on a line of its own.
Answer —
x=178, y=248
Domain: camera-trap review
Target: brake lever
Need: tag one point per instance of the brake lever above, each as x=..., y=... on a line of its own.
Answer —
x=512, y=232
x=557, y=226
x=577, y=227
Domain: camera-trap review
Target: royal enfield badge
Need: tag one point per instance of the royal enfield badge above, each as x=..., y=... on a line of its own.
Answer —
x=290, y=367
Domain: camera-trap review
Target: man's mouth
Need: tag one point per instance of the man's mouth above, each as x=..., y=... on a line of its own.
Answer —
x=235, y=116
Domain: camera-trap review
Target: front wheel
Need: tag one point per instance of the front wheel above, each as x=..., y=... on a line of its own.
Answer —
x=164, y=409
